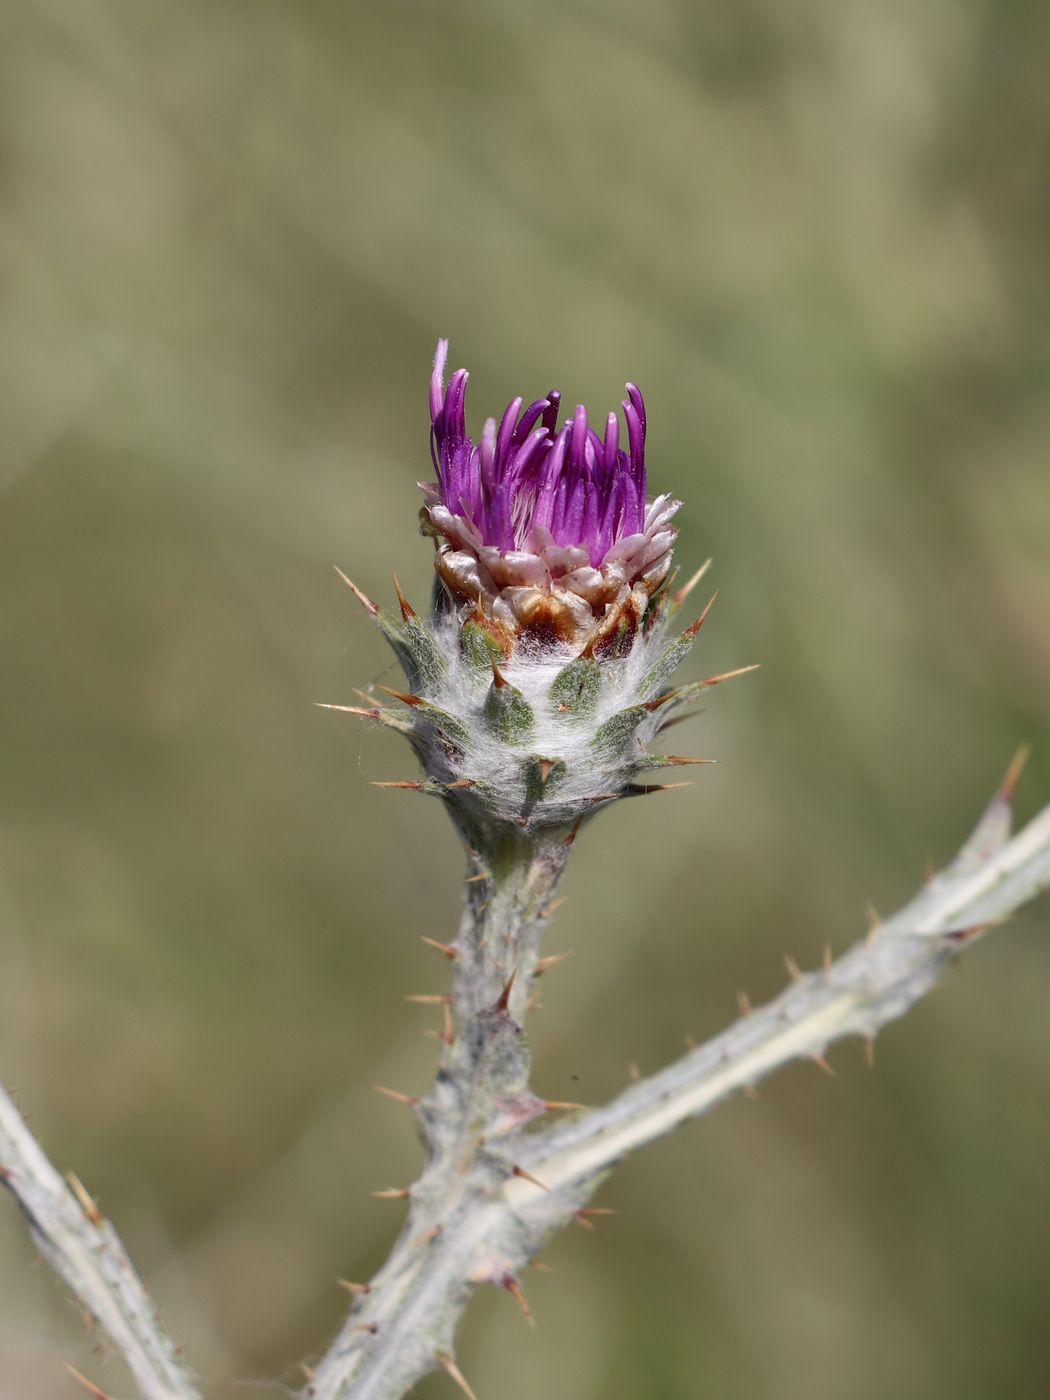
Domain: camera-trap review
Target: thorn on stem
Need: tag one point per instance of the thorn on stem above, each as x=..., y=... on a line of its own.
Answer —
x=89, y=1386
x=561, y=1106
x=445, y=949
x=406, y=787
x=527, y=1176
x=1012, y=777
x=514, y=1288
x=392, y=1193
x=446, y=1037
x=792, y=968
x=750, y=1092
x=869, y=1051
x=455, y=1374
x=84, y=1199
x=357, y=1289
x=426, y=1237
x=744, y=1002
x=634, y=1073
x=545, y=964
x=409, y=1100
x=964, y=935
x=428, y=998
x=504, y=996
x=822, y=1063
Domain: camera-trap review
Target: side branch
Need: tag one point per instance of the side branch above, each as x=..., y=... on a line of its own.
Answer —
x=83, y=1248
x=873, y=983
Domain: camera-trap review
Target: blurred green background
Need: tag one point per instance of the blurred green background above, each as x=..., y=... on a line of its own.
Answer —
x=817, y=236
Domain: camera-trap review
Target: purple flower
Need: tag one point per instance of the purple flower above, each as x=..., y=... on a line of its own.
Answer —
x=526, y=473
x=547, y=528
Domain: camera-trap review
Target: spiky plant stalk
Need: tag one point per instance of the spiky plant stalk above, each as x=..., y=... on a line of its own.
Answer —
x=535, y=687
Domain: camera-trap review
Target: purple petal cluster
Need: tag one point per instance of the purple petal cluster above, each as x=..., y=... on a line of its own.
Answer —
x=527, y=476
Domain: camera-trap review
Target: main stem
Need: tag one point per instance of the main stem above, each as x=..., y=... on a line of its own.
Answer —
x=403, y=1321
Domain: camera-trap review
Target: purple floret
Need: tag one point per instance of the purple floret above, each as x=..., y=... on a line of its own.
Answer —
x=527, y=474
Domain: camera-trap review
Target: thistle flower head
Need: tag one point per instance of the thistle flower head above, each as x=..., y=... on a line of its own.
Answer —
x=548, y=529
x=542, y=673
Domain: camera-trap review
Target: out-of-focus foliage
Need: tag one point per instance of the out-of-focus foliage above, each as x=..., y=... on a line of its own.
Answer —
x=816, y=236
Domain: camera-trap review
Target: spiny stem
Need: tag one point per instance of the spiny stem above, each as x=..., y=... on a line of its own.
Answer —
x=402, y=1326
x=503, y=918
x=83, y=1248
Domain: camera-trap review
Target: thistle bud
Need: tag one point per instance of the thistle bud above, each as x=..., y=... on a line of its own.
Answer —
x=539, y=678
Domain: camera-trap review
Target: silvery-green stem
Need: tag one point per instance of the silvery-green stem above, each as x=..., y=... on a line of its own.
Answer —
x=472, y=1220
x=505, y=910
x=84, y=1250
x=875, y=982
x=470, y=1122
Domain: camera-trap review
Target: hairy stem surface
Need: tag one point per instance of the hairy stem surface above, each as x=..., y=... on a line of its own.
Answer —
x=404, y=1321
